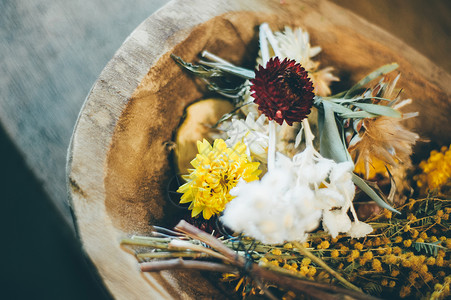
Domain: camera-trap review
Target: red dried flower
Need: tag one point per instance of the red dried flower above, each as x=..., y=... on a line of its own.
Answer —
x=283, y=91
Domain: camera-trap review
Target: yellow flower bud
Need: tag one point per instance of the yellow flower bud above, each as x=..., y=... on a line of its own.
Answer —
x=358, y=246
x=404, y=292
x=428, y=277
x=406, y=264
x=430, y=261
x=387, y=214
x=377, y=265
x=312, y=271
x=306, y=261
x=413, y=276
x=390, y=259
x=324, y=245
x=397, y=250
x=276, y=252
x=368, y=255
x=288, y=246
x=439, y=261
x=334, y=253
x=274, y=262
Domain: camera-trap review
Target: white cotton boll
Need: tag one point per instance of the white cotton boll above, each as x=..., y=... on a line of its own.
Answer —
x=283, y=161
x=306, y=174
x=236, y=215
x=347, y=188
x=304, y=207
x=330, y=197
x=268, y=227
x=278, y=180
x=336, y=221
x=311, y=222
x=273, y=210
x=323, y=168
x=359, y=229
x=341, y=172
x=288, y=220
x=241, y=184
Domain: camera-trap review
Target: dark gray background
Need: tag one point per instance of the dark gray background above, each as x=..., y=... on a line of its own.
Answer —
x=51, y=52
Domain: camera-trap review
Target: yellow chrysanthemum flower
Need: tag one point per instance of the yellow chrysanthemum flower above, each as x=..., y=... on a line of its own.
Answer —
x=217, y=169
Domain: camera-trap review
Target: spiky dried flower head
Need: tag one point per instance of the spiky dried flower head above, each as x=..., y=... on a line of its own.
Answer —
x=283, y=91
x=382, y=140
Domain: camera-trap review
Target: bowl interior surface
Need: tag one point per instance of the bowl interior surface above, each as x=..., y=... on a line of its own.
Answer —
x=140, y=171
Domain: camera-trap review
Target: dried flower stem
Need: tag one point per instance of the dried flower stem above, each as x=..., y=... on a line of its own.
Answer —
x=309, y=137
x=313, y=289
x=179, y=263
x=195, y=233
x=178, y=244
x=272, y=145
x=272, y=125
x=322, y=264
x=178, y=254
x=137, y=242
x=212, y=57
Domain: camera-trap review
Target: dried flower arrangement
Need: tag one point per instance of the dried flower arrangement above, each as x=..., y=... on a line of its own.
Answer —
x=282, y=205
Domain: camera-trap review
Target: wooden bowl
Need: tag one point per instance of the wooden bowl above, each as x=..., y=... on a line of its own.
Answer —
x=118, y=162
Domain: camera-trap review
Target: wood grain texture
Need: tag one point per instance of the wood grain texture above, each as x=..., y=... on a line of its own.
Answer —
x=118, y=165
x=423, y=25
x=51, y=52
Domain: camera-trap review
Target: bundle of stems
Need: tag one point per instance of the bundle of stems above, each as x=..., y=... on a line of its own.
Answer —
x=190, y=242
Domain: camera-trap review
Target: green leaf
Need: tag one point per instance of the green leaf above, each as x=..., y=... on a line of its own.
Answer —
x=373, y=75
x=358, y=115
x=339, y=109
x=429, y=248
x=233, y=93
x=231, y=69
x=331, y=144
x=377, y=109
x=371, y=193
x=373, y=288
x=197, y=70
